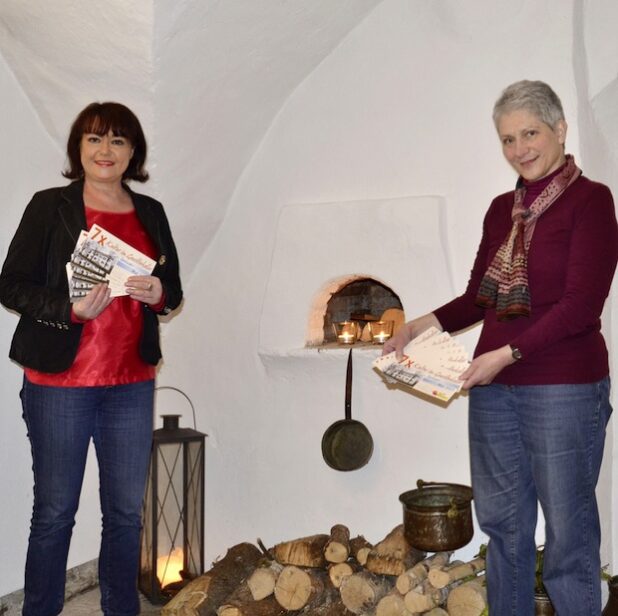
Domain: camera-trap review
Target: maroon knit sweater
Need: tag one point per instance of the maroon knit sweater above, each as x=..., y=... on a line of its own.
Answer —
x=571, y=263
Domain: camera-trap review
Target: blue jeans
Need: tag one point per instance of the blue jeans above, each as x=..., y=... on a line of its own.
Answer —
x=545, y=443
x=61, y=421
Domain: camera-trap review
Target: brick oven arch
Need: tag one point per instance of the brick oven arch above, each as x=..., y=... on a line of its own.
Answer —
x=361, y=297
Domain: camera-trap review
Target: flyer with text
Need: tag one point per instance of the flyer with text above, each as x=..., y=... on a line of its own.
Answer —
x=432, y=364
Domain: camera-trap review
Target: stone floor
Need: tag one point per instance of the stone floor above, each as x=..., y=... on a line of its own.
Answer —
x=83, y=592
x=87, y=604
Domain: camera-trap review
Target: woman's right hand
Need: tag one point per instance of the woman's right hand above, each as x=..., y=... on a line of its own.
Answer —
x=408, y=332
x=93, y=304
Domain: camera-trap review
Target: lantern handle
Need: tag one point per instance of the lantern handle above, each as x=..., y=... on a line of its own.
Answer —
x=182, y=393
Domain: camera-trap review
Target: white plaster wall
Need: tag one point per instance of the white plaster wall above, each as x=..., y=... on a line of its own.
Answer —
x=225, y=69
x=596, y=67
x=401, y=107
x=318, y=245
x=65, y=52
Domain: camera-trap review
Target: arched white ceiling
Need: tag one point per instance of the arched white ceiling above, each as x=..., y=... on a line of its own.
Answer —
x=206, y=77
x=67, y=53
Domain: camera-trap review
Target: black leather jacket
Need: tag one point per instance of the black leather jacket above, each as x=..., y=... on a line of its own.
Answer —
x=34, y=282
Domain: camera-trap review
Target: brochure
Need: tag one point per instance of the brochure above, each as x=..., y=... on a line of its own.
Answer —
x=100, y=256
x=431, y=364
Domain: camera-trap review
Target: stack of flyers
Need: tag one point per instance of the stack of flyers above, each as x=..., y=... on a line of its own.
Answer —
x=99, y=257
x=431, y=364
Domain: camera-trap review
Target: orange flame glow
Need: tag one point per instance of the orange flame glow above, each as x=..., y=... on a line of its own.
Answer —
x=169, y=567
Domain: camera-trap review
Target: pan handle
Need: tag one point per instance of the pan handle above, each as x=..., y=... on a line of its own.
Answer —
x=348, y=388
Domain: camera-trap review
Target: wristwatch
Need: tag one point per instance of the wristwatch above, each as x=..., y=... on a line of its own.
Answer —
x=515, y=353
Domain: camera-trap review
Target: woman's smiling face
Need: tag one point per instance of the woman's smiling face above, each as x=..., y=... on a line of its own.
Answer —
x=533, y=148
x=105, y=158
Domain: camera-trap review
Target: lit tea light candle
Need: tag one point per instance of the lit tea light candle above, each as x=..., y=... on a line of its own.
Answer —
x=381, y=331
x=346, y=332
x=381, y=338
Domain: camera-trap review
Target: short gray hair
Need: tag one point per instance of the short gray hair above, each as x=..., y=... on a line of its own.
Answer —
x=533, y=96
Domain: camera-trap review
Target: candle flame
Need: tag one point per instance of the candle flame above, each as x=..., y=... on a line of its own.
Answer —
x=169, y=567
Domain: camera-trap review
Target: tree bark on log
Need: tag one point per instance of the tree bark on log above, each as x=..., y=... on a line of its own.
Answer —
x=296, y=587
x=203, y=595
x=468, y=599
x=362, y=591
x=360, y=548
x=411, y=578
x=394, y=544
x=336, y=608
x=303, y=552
x=440, y=560
x=239, y=596
x=262, y=581
x=337, y=547
x=187, y=601
x=328, y=603
x=393, y=555
x=263, y=607
x=443, y=577
x=332, y=609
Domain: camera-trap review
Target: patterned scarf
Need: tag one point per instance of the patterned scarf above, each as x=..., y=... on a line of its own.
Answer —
x=505, y=283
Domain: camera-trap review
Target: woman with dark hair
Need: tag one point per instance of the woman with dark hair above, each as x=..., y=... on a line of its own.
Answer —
x=89, y=366
x=539, y=380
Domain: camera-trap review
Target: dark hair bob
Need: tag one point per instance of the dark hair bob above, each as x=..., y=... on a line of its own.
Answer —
x=99, y=119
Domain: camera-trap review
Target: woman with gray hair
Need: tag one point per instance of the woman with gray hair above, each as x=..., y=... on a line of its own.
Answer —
x=539, y=380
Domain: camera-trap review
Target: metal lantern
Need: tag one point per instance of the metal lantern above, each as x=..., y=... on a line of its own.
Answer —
x=172, y=544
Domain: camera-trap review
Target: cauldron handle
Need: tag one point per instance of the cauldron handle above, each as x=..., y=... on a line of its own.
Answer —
x=420, y=484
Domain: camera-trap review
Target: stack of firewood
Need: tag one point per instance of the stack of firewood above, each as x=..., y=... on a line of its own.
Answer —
x=333, y=575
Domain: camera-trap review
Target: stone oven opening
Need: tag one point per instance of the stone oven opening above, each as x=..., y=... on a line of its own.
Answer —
x=354, y=298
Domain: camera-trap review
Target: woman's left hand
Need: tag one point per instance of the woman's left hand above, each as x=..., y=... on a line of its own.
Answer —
x=485, y=367
x=145, y=289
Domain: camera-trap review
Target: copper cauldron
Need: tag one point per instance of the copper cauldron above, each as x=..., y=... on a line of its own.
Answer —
x=437, y=516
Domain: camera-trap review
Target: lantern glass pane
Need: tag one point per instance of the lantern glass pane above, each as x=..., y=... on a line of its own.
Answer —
x=194, y=509
x=170, y=507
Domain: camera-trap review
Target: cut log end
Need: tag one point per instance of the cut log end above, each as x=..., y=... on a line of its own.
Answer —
x=337, y=548
x=293, y=588
x=392, y=605
x=362, y=591
x=296, y=587
x=262, y=581
x=469, y=599
x=360, y=548
x=338, y=572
